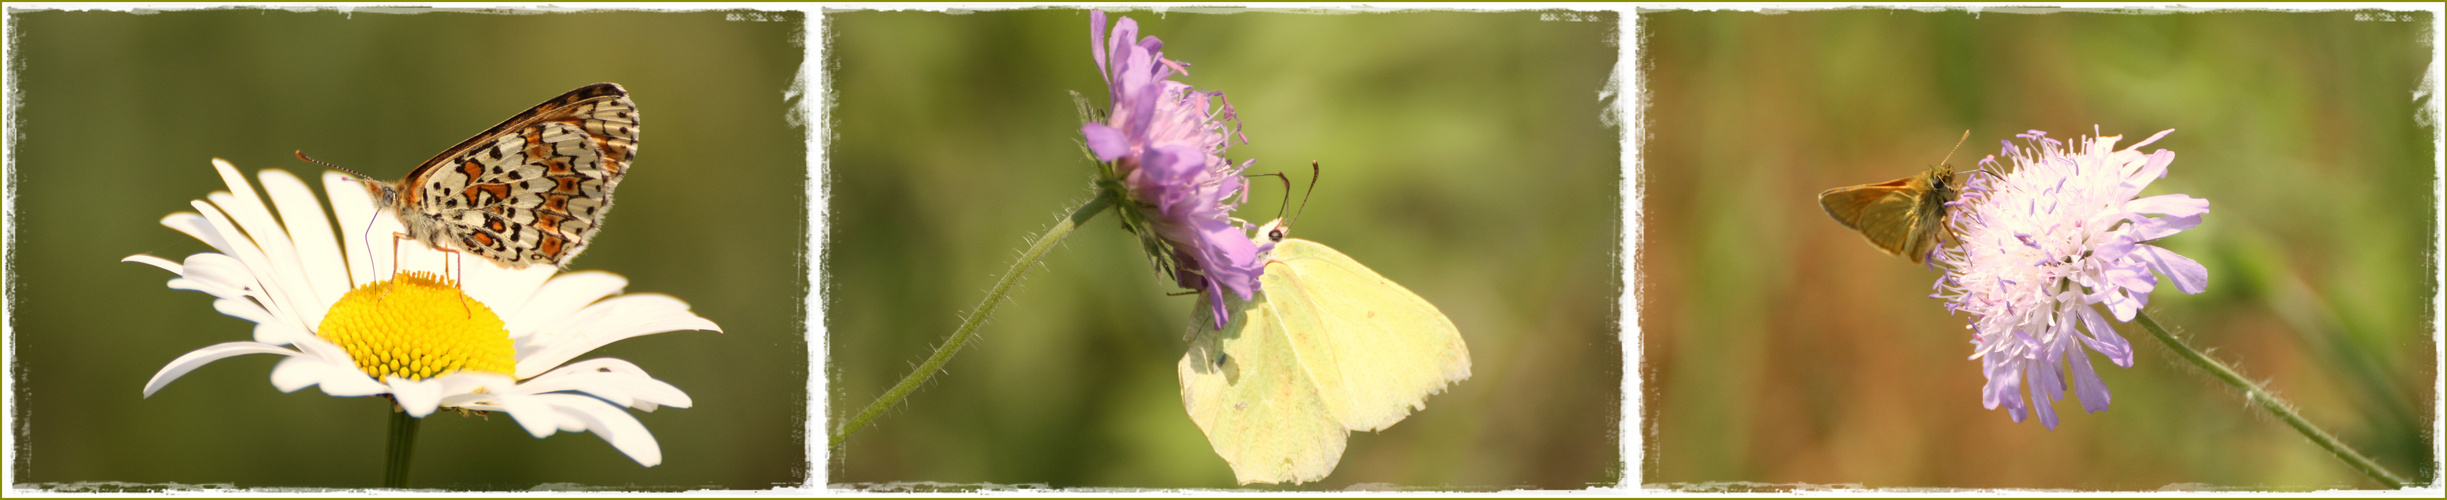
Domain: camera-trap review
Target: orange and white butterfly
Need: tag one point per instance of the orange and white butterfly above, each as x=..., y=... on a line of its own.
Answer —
x=532, y=190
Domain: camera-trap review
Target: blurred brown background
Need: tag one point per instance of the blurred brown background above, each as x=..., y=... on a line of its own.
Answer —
x=1781, y=348
x=1465, y=156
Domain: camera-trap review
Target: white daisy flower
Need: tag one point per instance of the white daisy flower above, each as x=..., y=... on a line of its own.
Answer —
x=360, y=325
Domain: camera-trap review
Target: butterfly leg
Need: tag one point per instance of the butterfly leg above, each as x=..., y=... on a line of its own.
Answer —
x=1193, y=331
x=395, y=237
x=462, y=260
x=448, y=275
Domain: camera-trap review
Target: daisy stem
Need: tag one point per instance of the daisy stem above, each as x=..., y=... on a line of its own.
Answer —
x=2277, y=407
x=977, y=317
x=402, y=448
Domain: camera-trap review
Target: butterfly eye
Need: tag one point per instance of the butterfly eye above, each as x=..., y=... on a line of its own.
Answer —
x=1275, y=235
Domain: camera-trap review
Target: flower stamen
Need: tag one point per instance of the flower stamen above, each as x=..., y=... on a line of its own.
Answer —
x=399, y=327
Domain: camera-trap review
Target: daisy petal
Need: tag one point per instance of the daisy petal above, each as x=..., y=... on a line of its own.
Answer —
x=164, y=264
x=614, y=426
x=200, y=228
x=249, y=258
x=645, y=392
x=625, y=389
x=559, y=298
x=318, y=255
x=243, y=207
x=197, y=358
x=209, y=288
x=539, y=419
x=250, y=308
x=504, y=288
x=299, y=372
x=219, y=275
x=609, y=321
x=417, y=397
x=354, y=209
x=267, y=329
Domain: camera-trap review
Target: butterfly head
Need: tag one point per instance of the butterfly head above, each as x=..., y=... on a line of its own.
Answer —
x=1274, y=231
x=383, y=192
x=1279, y=229
x=1941, y=176
x=1941, y=182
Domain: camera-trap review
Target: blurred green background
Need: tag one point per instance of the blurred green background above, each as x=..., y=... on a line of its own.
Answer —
x=1781, y=348
x=121, y=113
x=1465, y=156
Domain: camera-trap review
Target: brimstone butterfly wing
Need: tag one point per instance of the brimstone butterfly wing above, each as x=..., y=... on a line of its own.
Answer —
x=1326, y=347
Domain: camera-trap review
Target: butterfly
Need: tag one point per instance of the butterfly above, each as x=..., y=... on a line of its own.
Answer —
x=1327, y=346
x=531, y=190
x=1902, y=216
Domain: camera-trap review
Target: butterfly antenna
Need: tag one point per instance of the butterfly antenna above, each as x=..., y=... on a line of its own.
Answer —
x=368, y=236
x=1313, y=170
x=1278, y=211
x=301, y=155
x=1958, y=145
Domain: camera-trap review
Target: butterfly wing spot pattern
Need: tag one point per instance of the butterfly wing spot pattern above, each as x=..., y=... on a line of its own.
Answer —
x=531, y=190
x=1311, y=361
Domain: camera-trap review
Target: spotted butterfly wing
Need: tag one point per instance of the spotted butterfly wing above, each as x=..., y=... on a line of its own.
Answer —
x=531, y=190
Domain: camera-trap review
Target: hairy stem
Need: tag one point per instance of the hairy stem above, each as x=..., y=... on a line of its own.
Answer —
x=2276, y=407
x=968, y=327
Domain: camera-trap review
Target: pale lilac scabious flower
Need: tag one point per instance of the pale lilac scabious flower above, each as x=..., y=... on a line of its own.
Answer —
x=2040, y=242
x=1163, y=143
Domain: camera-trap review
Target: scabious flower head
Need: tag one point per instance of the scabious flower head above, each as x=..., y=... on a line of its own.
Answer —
x=2042, y=240
x=1162, y=146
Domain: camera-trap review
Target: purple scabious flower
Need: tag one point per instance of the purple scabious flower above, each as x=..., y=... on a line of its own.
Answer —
x=1162, y=147
x=2044, y=239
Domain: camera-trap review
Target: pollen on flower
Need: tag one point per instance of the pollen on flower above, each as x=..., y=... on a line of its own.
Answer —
x=416, y=326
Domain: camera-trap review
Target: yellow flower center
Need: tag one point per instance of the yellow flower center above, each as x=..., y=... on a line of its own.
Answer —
x=417, y=326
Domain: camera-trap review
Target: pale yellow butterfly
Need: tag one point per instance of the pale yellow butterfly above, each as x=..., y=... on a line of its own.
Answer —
x=1327, y=346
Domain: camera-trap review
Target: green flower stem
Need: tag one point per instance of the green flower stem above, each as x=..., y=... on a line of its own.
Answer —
x=402, y=448
x=968, y=327
x=2277, y=407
